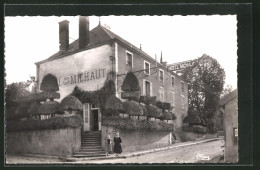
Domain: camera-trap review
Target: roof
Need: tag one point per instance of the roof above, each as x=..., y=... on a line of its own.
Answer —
x=228, y=97
x=100, y=35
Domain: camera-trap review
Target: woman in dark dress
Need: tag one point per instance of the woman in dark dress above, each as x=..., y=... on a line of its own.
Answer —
x=117, y=146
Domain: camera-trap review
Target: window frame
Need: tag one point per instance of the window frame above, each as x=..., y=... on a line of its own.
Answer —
x=148, y=69
x=182, y=102
x=173, y=98
x=127, y=58
x=173, y=82
x=162, y=75
x=144, y=88
x=162, y=99
x=182, y=88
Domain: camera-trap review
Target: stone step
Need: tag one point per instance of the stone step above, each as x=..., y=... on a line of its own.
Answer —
x=91, y=147
x=89, y=152
x=88, y=155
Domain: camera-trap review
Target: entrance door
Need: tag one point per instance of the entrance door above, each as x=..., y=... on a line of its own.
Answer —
x=95, y=120
x=86, y=118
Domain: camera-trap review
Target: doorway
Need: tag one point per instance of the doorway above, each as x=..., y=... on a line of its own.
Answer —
x=94, y=120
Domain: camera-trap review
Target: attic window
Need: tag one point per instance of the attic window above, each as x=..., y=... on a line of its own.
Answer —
x=129, y=59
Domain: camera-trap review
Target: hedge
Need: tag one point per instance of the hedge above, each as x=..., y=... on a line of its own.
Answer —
x=195, y=128
x=49, y=83
x=132, y=124
x=133, y=108
x=74, y=121
x=130, y=82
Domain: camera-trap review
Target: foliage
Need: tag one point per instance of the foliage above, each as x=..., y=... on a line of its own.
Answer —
x=70, y=103
x=96, y=97
x=132, y=124
x=49, y=83
x=133, y=108
x=48, y=107
x=206, y=80
x=48, y=95
x=114, y=105
x=34, y=108
x=153, y=111
x=22, y=111
x=227, y=89
x=192, y=119
x=195, y=128
x=167, y=115
x=130, y=83
x=15, y=91
x=74, y=121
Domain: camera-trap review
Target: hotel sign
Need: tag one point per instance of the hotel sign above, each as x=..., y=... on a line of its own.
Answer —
x=182, y=65
x=82, y=77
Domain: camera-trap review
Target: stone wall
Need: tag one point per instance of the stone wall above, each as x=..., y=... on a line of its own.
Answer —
x=139, y=140
x=231, y=122
x=58, y=142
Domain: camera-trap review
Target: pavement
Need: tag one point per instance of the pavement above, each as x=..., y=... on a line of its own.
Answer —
x=124, y=155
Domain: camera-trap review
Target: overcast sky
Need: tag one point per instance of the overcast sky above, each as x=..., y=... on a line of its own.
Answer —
x=180, y=38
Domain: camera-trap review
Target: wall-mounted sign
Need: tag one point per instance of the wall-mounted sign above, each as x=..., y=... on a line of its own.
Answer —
x=182, y=65
x=82, y=77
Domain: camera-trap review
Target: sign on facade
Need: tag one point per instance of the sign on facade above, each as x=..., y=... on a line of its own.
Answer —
x=82, y=77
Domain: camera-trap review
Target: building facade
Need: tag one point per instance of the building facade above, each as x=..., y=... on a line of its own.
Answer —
x=87, y=62
x=229, y=107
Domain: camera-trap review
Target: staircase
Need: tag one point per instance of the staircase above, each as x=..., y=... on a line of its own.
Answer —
x=90, y=145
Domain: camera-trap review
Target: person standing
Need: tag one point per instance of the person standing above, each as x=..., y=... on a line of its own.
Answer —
x=117, y=142
x=107, y=143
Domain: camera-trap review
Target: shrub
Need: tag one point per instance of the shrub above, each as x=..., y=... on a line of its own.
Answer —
x=132, y=124
x=153, y=111
x=133, y=108
x=74, y=121
x=130, y=83
x=70, y=103
x=195, y=128
x=49, y=83
x=199, y=129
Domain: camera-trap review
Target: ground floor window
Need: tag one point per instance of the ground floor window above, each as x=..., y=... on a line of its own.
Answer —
x=147, y=88
x=161, y=94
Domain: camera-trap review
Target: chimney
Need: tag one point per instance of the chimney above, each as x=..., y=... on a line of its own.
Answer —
x=83, y=31
x=64, y=35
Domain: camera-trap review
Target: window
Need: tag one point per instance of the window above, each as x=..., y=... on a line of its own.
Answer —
x=173, y=98
x=161, y=94
x=43, y=117
x=129, y=59
x=146, y=67
x=173, y=81
x=147, y=88
x=182, y=102
x=94, y=106
x=161, y=75
x=182, y=87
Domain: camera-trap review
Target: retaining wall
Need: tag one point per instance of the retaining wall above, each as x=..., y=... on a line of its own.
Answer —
x=139, y=140
x=58, y=142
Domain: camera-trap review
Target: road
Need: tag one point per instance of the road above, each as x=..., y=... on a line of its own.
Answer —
x=187, y=154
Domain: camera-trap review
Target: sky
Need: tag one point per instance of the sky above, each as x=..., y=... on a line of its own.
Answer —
x=180, y=38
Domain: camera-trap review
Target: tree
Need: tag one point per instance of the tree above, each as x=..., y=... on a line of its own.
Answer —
x=227, y=89
x=206, y=79
x=14, y=91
